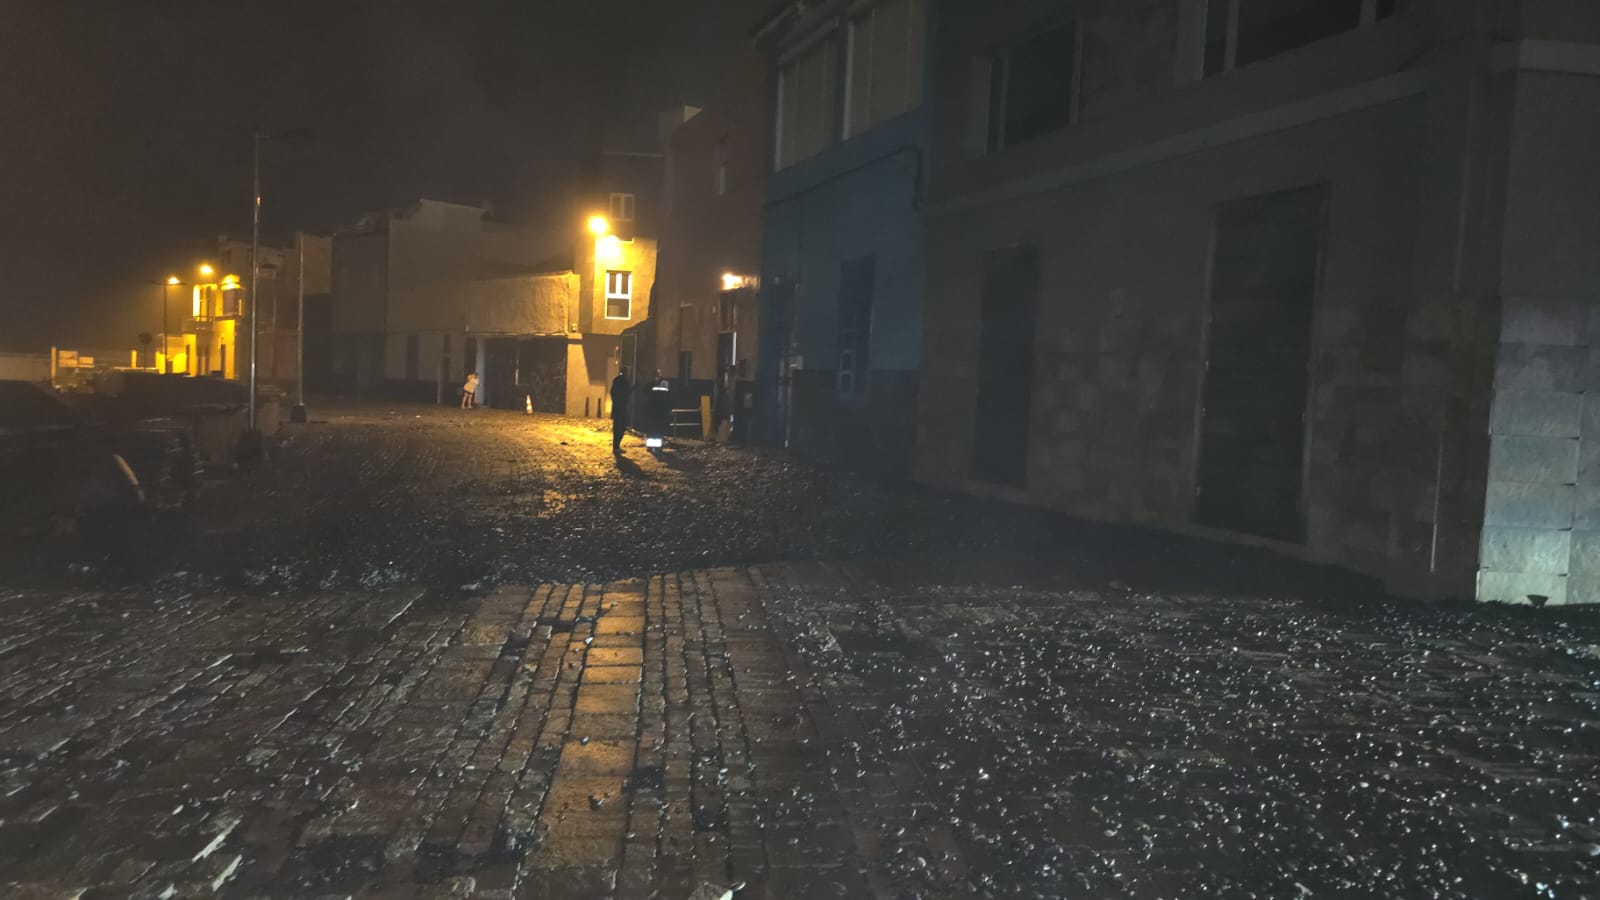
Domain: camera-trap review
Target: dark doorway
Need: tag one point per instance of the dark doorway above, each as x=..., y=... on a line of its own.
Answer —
x=541, y=374
x=1258, y=351
x=1010, y=306
x=500, y=373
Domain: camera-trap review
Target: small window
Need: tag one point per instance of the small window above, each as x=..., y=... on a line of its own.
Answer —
x=619, y=295
x=623, y=207
x=1033, y=87
x=232, y=301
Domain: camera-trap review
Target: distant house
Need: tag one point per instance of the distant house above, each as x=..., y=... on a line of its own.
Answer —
x=842, y=270
x=1317, y=275
x=402, y=281
x=424, y=294
x=704, y=328
x=280, y=283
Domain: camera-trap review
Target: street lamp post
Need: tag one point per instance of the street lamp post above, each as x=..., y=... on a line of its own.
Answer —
x=166, y=342
x=255, y=267
x=299, y=135
x=298, y=413
x=166, y=300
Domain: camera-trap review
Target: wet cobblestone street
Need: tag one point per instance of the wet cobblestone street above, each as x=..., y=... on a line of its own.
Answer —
x=423, y=654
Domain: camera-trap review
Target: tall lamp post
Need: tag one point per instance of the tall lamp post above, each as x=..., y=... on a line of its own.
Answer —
x=298, y=413
x=297, y=135
x=166, y=300
x=166, y=342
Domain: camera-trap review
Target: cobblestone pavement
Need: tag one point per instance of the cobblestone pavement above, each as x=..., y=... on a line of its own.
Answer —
x=380, y=496
x=844, y=690
x=644, y=738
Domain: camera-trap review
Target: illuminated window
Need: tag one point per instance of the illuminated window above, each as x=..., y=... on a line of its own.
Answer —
x=619, y=295
x=807, y=104
x=1240, y=32
x=885, y=64
x=623, y=207
x=1033, y=87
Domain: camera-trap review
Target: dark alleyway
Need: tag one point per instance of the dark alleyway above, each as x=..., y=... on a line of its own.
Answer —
x=429, y=654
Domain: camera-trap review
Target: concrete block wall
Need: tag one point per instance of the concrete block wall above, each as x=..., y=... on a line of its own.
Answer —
x=1120, y=343
x=1541, y=531
x=1113, y=411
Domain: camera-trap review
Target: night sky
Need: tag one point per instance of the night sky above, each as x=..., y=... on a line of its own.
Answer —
x=125, y=144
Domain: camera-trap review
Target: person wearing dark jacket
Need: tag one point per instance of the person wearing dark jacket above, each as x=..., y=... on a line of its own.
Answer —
x=621, y=397
x=658, y=414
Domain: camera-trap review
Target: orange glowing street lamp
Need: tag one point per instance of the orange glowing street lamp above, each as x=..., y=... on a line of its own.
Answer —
x=206, y=270
x=598, y=226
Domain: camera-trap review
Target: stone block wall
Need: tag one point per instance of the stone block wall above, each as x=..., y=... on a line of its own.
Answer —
x=1541, y=532
x=1113, y=413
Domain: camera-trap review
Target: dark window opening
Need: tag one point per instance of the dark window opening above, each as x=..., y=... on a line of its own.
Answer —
x=1270, y=27
x=1032, y=87
x=1242, y=32
x=1216, y=53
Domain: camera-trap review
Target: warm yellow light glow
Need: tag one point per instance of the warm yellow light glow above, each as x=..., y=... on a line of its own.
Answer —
x=172, y=279
x=731, y=282
x=599, y=225
x=206, y=270
x=230, y=279
x=608, y=249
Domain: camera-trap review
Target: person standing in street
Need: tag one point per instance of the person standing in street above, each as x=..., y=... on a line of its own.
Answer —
x=469, y=392
x=621, y=397
x=658, y=414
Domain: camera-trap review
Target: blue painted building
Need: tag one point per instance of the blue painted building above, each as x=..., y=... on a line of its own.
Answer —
x=842, y=278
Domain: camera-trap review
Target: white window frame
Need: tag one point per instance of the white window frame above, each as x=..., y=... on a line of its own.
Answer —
x=789, y=66
x=1230, y=54
x=851, y=36
x=624, y=207
x=864, y=18
x=619, y=286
